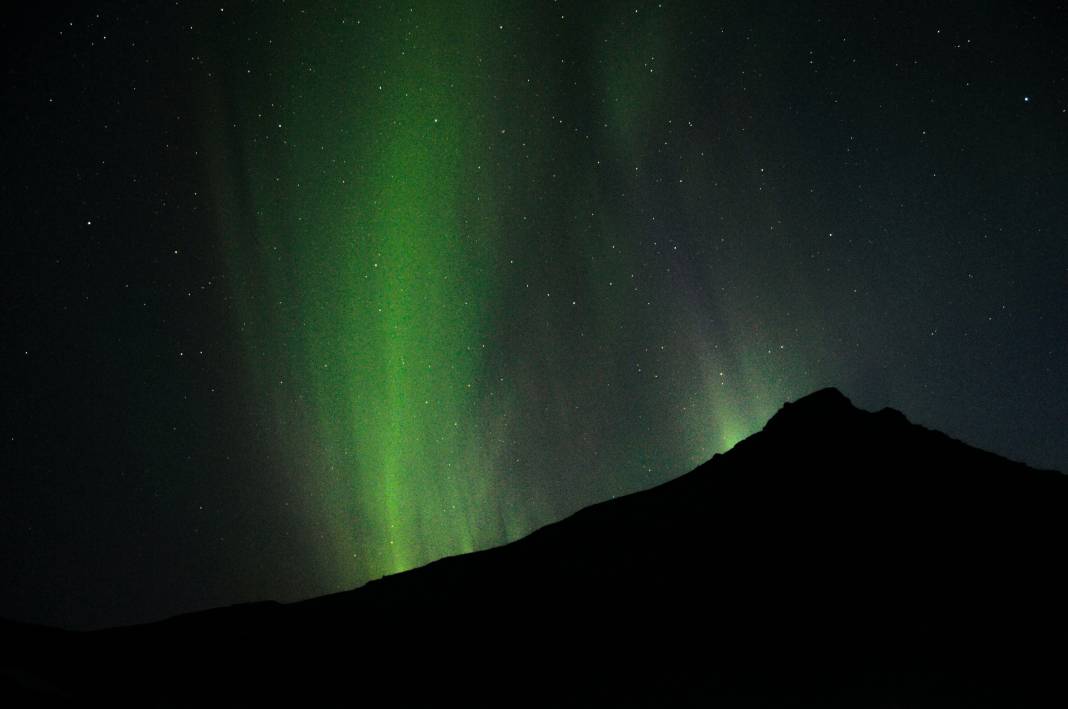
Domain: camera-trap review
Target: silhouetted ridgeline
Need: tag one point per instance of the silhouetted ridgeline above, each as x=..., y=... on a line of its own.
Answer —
x=836, y=558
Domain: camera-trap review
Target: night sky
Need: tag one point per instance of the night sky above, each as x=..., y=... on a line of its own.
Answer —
x=299, y=294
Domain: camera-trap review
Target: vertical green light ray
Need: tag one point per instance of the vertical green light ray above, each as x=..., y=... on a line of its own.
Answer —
x=424, y=323
x=421, y=298
x=366, y=226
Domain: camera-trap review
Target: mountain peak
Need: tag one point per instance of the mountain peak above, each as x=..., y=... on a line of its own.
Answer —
x=828, y=397
x=824, y=405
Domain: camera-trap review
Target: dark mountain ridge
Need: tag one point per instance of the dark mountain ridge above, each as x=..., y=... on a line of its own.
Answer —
x=837, y=557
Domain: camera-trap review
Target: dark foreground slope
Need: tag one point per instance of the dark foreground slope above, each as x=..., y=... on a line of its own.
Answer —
x=836, y=558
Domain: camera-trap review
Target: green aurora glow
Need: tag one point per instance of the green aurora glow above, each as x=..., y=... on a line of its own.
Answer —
x=442, y=272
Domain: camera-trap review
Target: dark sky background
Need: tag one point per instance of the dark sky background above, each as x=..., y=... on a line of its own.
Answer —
x=298, y=294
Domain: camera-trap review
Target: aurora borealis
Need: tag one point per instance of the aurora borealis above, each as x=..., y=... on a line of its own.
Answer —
x=377, y=259
x=307, y=293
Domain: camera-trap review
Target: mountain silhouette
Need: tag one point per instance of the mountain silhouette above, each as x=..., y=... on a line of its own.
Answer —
x=836, y=558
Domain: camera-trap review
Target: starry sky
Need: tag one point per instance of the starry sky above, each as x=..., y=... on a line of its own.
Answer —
x=299, y=294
